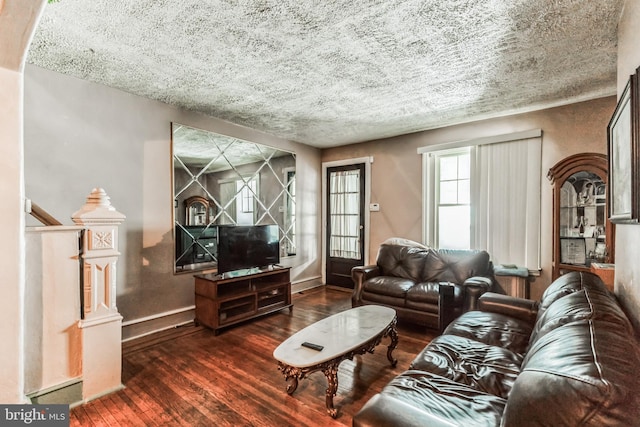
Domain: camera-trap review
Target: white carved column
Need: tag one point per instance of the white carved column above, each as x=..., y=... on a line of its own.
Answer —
x=101, y=324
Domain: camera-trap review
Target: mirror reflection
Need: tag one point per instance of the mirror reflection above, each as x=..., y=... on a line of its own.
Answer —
x=221, y=180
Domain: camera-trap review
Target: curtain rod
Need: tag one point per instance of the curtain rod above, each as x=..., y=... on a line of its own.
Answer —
x=493, y=139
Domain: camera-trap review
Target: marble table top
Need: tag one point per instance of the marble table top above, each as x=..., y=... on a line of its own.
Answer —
x=338, y=334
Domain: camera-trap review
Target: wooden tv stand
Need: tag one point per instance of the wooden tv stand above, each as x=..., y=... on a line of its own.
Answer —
x=226, y=299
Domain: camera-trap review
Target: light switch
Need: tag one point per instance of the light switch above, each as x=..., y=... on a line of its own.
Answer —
x=374, y=207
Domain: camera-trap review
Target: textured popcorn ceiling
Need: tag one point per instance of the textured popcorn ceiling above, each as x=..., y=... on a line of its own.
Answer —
x=333, y=72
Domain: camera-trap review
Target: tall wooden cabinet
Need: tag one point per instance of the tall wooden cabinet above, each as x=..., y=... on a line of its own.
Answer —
x=582, y=232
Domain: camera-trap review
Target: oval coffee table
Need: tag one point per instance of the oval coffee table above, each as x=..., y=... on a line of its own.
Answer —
x=355, y=331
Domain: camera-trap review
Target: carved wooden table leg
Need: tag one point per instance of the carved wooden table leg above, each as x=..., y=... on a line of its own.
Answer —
x=291, y=375
x=331, y=372
x=393, y=333
x=292, y=385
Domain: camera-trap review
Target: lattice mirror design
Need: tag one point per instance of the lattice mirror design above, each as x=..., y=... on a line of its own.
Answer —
x=221, y=180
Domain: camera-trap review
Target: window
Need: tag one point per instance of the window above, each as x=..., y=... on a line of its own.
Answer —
x=485, y=194
x=453, y=200
x=246, y=195
x=238, y=199
x=245, y=201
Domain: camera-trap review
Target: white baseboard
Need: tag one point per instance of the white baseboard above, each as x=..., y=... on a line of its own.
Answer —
x=68, y=392
x=138, y=328
x=304, y=285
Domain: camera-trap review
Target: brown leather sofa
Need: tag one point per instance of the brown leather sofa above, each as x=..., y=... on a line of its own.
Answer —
x=423, y=285
x=571, y=360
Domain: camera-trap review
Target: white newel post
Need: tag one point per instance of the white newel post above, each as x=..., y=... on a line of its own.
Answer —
x=101, y=324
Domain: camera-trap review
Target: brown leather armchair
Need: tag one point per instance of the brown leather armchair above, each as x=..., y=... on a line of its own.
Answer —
x=424, y=285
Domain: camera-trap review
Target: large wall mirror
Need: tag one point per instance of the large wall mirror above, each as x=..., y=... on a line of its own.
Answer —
x=221, y=180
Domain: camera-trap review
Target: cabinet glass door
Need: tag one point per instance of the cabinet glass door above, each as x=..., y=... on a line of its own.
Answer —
x=198, y=211
x=582, y=219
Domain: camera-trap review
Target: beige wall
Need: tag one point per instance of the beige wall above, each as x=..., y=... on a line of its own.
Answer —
x=396, y=181
x=627, y=279
x=80, y=135
x=12, y=252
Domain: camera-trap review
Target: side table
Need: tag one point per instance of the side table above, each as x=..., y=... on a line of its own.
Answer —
x=606, y=273
x=513, y=280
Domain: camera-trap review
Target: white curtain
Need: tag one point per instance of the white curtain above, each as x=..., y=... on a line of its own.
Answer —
x=344, y=193
x=227, y=198
x=506, y=201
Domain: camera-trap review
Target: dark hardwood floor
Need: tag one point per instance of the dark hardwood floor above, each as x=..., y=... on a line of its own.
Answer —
x=188, y=376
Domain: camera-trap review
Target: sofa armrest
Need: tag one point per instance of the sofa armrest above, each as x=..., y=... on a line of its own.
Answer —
x=474, y=287
x=360, y=275
x=446, y=304
x=520, y=308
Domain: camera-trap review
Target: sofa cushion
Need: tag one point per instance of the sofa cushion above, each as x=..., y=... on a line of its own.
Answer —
x=402, y=261
x=493, y=329
x=427, y=307
x=486, y=368
x=429, y=292
x=374, y=298
x=580, y=305
x=386, y=290
x=456, y=266
x=582, y=373
x=387, y=285
x=443, y=399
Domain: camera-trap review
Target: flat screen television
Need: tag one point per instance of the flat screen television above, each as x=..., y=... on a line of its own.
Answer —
x=247, y=246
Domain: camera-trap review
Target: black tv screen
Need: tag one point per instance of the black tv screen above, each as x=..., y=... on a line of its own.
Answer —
x=247, y=246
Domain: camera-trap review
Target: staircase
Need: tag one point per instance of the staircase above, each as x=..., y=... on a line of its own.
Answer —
x=72, y=326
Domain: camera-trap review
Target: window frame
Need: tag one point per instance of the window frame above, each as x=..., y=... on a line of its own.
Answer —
x=432, y=237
